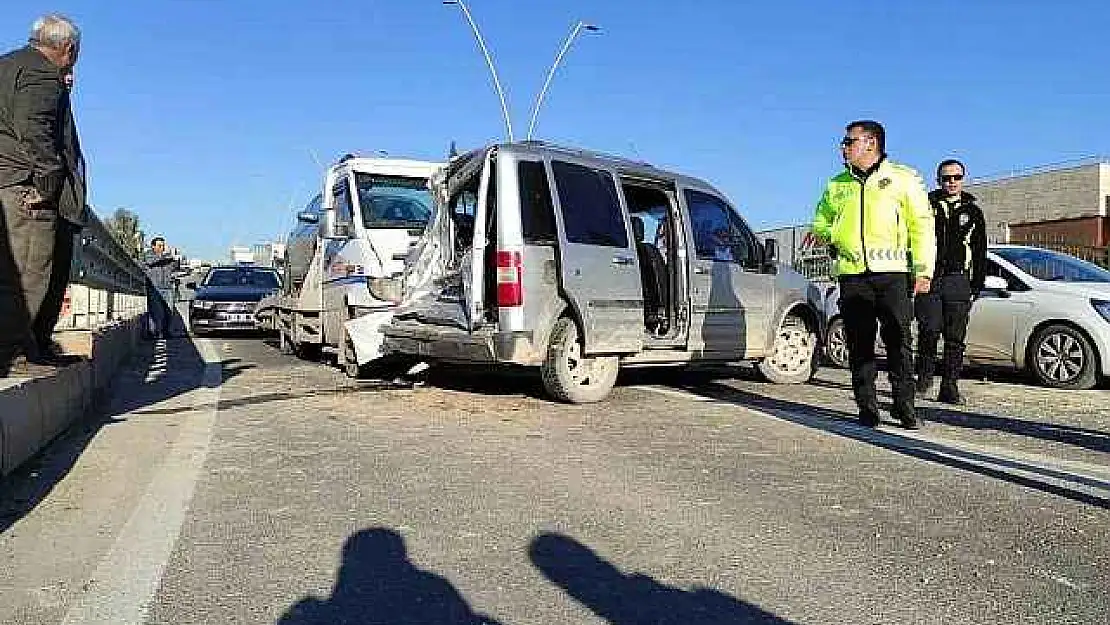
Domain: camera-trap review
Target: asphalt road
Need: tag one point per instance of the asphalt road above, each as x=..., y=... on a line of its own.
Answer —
x=236, y=485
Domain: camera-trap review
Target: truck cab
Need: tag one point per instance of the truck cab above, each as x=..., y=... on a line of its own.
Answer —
x=346, y=255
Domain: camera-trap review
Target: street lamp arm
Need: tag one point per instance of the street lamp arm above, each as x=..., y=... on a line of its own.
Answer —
x=551, y=73
x=489, y=62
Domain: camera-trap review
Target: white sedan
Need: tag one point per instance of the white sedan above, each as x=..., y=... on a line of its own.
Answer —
x=1040, y=310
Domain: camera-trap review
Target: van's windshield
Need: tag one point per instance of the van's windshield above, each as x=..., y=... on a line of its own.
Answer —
x=393, y=201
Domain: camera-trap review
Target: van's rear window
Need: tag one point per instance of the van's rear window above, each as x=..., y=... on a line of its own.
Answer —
x=537, y=212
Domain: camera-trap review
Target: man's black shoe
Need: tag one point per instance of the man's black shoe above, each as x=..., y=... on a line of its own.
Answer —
x=907, y=417
x=55, y=360
x=869, y=417
x=950, y=395
x=21, y=367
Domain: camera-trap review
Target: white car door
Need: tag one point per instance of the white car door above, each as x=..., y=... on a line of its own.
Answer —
x=992, y=326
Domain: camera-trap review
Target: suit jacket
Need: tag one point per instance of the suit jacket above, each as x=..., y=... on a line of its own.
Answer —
x=38, y=142
x=72, y=204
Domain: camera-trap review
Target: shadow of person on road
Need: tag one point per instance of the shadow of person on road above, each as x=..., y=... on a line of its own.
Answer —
x=377, y=584
x=635, y=599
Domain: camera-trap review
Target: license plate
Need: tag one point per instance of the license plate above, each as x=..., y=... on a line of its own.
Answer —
x=242, y=318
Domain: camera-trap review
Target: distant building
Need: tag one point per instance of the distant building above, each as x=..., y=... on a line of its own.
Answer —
x=1064, y=203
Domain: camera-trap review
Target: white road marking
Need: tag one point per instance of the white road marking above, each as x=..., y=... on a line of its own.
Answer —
x=670, y=392
x=1089, y=480
x=123, y=584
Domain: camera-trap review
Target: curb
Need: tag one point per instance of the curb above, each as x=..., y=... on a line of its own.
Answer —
x=35, y=411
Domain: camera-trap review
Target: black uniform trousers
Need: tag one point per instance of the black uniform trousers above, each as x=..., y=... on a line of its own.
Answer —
x=867, y=301
x=945, y=308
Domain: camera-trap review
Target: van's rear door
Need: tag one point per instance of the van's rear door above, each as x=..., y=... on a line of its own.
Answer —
x=599, y=269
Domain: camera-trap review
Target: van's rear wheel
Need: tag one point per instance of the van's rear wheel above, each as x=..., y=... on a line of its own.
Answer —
x=569, y=375
x=793, y=358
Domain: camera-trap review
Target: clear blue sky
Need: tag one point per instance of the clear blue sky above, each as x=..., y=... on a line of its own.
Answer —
x=200, y=114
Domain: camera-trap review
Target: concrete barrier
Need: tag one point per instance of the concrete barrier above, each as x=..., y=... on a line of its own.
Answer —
x=34, y=411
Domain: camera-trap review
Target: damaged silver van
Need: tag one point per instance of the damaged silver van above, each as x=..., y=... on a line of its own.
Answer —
x=581, y=263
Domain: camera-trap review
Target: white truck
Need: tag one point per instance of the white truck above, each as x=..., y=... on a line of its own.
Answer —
x=344, y=260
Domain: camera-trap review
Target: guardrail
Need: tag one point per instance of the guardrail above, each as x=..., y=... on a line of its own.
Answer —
x=106, y=284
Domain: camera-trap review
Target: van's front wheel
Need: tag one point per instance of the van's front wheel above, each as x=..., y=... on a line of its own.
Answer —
x=794, y=356
x=569, y=375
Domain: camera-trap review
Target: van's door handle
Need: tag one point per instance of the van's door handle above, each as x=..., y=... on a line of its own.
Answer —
x=622, y=260
x=702, y=269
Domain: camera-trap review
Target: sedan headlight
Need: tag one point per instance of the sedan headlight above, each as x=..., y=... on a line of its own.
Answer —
x=1103, y=307
x=203, y=304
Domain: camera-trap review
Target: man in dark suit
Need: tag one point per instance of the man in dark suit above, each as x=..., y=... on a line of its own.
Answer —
x=37, y=181
x=72, y=213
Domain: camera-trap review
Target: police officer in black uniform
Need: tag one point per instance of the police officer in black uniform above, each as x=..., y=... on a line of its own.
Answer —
x=960, y=270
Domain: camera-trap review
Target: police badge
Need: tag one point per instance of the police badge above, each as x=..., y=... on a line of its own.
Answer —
x=884, y=183
x=965, y=219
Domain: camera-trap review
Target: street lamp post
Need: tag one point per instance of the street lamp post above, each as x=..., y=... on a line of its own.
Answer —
x=579, y=27
x=489, y=61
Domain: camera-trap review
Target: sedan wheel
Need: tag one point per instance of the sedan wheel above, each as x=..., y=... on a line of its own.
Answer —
x=1061, y=357
x=837, y=348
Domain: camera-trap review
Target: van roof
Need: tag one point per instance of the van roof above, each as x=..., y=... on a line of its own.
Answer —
x=621, y=164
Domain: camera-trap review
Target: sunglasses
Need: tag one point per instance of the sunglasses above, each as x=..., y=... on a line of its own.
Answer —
x=848, y=141
x=952, y=178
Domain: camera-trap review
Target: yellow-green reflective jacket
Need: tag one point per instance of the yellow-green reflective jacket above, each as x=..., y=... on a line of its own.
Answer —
x=883, y=223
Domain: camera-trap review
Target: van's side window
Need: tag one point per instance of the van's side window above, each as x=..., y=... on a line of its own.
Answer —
x=537, y=213
x=591, y=210
x=343, y=211
x=718, y=232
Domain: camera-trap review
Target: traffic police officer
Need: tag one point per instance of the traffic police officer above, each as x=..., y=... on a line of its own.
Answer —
x=960, y=270
x=876, y=221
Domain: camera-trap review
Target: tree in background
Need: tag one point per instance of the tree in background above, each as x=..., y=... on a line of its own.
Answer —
x=124, y=226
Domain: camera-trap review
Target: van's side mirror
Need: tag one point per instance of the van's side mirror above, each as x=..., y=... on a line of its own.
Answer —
x=192, y=286
x=333, y=228
x=770, y=253
x=307, y=217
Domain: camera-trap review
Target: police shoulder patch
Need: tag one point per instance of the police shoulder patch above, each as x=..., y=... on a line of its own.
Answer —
x=884, y=183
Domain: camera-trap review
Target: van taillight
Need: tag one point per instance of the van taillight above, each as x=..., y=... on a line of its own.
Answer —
x=510, y=291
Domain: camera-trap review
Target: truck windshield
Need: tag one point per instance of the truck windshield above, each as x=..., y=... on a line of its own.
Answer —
x=393, y=201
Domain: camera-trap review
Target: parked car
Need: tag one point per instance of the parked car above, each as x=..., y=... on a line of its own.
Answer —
x=227, y=297
x=1040, y=310
x=579, y=263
